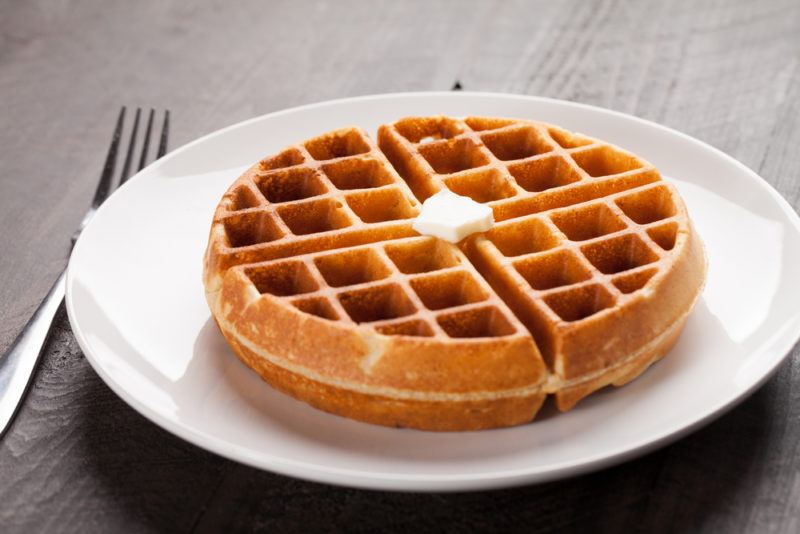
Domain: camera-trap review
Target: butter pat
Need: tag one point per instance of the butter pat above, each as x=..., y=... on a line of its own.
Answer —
x=452, y=217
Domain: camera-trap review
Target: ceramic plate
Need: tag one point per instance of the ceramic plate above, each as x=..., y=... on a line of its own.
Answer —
x=136, y=303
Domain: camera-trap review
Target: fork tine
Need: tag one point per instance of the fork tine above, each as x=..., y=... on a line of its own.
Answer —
x=162, y=145
x=104, y=185
x=146, y=142
x=126, y=167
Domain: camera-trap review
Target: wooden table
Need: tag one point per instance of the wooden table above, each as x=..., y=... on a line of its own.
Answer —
x=79, y=459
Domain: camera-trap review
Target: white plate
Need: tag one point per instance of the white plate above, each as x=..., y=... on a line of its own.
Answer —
x=135, y=300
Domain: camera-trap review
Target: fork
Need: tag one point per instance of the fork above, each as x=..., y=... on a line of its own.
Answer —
x=19, y=362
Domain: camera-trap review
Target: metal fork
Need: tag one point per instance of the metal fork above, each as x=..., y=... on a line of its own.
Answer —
x=19, y=362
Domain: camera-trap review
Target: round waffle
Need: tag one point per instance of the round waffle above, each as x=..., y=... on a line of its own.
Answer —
x=318, y=282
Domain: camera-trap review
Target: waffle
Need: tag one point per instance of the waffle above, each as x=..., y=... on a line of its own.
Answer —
x=318, y=282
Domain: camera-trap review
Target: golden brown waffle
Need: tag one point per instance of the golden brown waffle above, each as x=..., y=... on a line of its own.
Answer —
x=319, y=283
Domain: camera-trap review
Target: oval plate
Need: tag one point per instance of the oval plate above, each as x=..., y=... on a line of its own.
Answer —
x=136, y=303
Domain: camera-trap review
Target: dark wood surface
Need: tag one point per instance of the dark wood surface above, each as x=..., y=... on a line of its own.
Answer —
x=78, y=459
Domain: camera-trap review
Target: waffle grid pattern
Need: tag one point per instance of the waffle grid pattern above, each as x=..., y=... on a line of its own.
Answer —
x=339, y=183
x=582, y=246
x=416, y=287
x=516, y=167
x=584, y=260
x=581, y=226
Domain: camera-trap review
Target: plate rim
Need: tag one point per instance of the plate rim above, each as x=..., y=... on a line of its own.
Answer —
x=440, y=482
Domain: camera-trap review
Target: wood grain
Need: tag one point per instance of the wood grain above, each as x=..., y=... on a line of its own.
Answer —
x=78, y=459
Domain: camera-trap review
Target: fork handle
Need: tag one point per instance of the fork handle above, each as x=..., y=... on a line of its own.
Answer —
x=18, y=364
